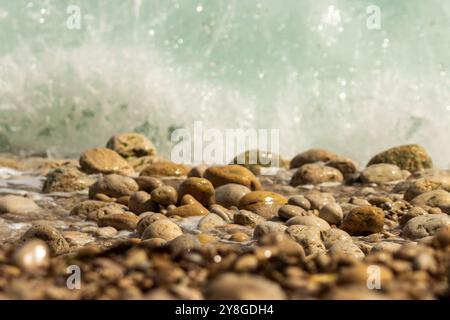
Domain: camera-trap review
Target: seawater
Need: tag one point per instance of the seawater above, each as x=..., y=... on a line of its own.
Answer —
x=312, y=69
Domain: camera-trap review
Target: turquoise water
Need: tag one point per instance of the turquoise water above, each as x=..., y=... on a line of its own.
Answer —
x=312, y=69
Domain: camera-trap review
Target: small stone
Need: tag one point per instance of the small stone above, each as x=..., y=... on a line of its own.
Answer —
x=189, y=210
x=106, y=232
x=197, y=171
x=264, y=203
x=346, y=248
x=148, y=184
x=381, y=173
x=288, y=211
x=165, y=195
x=319, y=199
x=229, y=194
x=239, y=237
x=108, y=209
x=254, y=160
x=131, y=145
x=309, y=237
x=312, y=156
x=247, y=218
x=435, y=198
x=334, y=235
x=224, y=213
x=300, y=201
x=412, y=213
x=309, y=221
x=210, y=221
x=222, y=175
x=66, y=179
x=17, y=205
x=147, y=220
x=113, y=185
x=332, y=213
x=140, y=163
x=201, y=189
x=52, y=237
x=205, y=238
x=424, y=226
x=364, y=220
x=267, y=227
x=103, y=160
x=251, y=287
x=345, y=165
x=424, y=185
x=33, y=256
x=359, y=202
x=164, y=229
x=122, y=221
x=183, y=243
x=315, y=173
x=408, y=157
x=140, y=202
x=153, y=243
x=165, y=169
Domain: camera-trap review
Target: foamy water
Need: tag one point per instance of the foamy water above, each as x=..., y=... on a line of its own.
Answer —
x=311, y=69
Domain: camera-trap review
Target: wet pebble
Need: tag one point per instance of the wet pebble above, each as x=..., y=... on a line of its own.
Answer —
x=424, y=226
x=164, y=229
x=331, y=213
x=51, y=236
x=17, y=205
x=309, y=221
x=363, y=220
x=229, y=194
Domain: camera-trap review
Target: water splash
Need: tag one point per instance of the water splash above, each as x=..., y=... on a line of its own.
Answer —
x=309, y=68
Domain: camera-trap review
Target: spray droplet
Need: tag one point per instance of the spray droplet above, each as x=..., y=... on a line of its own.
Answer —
x=199, y=8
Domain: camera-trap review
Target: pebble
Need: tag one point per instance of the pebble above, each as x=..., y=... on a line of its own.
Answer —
x=332, y=213
x=412, y=213
x=165, y=169
x=109, y=209
x=264, y=203
x=408, y=157
x=33, y=256
x=120, y=221
x=334, y=235
x=239, y=237
x=103, y=160
x=288, y=211
x=222, y=175
x=164, y=229
x=165, y=195
x=254, y=160
x=201, y=189
x=309, y=221
x=140, y=163
x=424, y=226
x=315, y=173
x=189, y=210
x=345, y=165
x=319, y=199
x=210, y=221
x=182, y=244
x=131, y=145
x=224, y=213
x=51, y=236
x=424, y=185
x=153, y=243
x=17, y=205
x=106, y=232
x=435, y=198
x=307, y=236
x=113, y=185
x=140, y=201
x=300, y=201
x=381, y=173
x=346, y=248
x=231, y=286
x=311, y=156
x=66, y=179
x=363, y=220
x=197, y=171
x=148, y=184
x=268, y=227
x=229, y=194
x=147, y=220
x=248, y=218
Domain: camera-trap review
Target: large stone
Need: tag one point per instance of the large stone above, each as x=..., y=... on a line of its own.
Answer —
x=52, y=237
x=264, y=203
x=315, y=173
x=103, y=160
x=165, y=169
x=311, y=156
x=140, y=202
x=423, y=185
x=230, y=286
x=66, y=179
x=131, y=145
x=436, y=198
x=229, y=194
x=363, y=220
x=408, y=157
x=424, y=226
x=222, y=175
x=165, y=195
x=201, y=189
x=120, y=221
x=17, y=205
x=381, y=173
x=164, y=229
x=345, y=165
x=113, y=185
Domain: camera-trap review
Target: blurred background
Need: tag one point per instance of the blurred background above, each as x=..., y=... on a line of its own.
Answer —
x=312, y=69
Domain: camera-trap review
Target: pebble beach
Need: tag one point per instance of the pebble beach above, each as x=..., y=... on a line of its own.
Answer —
x=139, y=226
